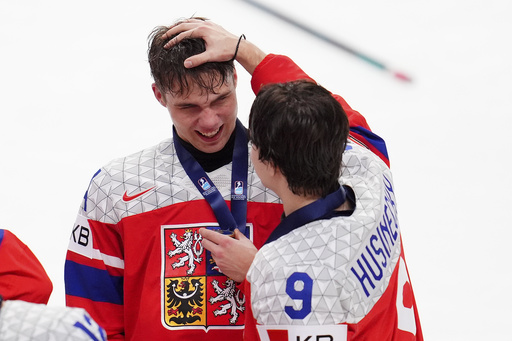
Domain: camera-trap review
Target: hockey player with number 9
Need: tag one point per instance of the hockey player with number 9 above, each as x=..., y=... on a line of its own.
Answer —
x=335, y=264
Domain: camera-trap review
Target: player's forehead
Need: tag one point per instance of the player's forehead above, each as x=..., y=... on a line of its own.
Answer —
x=203, y=91
x=198, y=81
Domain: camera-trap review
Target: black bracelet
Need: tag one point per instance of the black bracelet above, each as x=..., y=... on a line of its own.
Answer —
x=237, y=46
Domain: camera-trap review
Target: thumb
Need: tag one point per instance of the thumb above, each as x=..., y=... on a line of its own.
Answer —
x=239, y=235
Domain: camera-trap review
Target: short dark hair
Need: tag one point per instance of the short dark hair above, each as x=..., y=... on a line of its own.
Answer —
x=168, y=71
x=301, y=129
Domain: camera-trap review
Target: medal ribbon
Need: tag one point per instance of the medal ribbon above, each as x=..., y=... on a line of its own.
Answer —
x=228, y=220
x=318, y=209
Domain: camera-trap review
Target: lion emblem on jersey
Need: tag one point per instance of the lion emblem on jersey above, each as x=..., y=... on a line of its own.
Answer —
x=190, y=246
x=231, y=295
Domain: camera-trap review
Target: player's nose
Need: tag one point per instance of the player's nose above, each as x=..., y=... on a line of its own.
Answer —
x=208, y=119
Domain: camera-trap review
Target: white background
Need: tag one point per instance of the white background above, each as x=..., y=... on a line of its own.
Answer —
x=75, y=93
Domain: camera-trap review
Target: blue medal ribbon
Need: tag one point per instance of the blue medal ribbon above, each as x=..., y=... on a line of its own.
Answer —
x=237, y=217
x=319, y=209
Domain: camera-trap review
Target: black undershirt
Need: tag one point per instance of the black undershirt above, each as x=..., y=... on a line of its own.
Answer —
x=211, y=161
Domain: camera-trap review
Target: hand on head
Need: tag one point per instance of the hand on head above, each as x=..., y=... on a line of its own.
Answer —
x=220, y=44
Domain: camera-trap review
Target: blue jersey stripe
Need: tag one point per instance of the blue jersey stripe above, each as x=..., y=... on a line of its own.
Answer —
x=373, y=139
x=102, y=286
x=1, y=236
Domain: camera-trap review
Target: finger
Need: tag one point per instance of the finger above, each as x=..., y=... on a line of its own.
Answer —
x=183, y=31
x=206, y=233
x=210, y=246
x=213, y=236
x=196, y=60
x=240, y=236
x=178, y=38
x=182, y=26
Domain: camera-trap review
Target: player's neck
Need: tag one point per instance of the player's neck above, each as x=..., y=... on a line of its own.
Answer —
x=293, y=202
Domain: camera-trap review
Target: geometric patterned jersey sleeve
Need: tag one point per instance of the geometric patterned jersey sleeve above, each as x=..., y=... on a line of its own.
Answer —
x=21, y=320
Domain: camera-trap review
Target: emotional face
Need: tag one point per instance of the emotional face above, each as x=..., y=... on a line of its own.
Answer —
x=204, y=119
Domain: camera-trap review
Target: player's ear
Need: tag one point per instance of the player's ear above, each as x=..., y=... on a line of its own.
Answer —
x=158, y=94
x=235, y=78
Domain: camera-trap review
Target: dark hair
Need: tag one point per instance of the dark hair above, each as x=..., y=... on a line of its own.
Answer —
x=301, y=129
x=168, y=70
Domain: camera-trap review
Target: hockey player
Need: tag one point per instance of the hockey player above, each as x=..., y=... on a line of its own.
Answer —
x=136, y=261
x=335, y=264
x=334, y=268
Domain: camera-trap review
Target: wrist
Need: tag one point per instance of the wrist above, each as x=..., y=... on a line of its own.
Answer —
x=238, y=46
x=249, y=55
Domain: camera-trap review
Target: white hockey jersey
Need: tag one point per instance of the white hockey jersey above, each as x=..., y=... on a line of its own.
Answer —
x=339, y=272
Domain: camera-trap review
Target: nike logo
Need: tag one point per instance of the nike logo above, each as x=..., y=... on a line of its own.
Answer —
x=127, y=197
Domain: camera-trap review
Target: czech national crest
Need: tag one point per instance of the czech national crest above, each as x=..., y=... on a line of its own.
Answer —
x=196, y=293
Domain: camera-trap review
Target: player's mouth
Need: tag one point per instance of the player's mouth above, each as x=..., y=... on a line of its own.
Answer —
x=211, y=135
